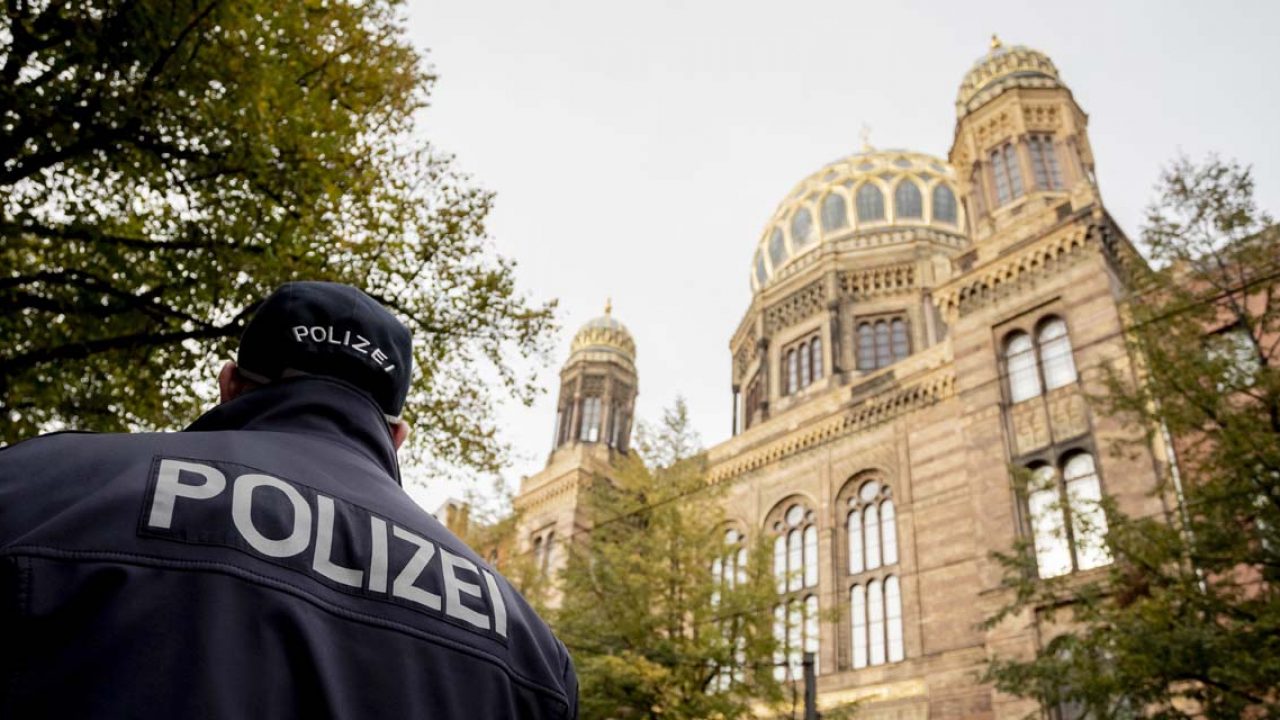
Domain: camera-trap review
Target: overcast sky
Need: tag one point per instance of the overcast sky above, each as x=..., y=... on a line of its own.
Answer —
x=638, y=148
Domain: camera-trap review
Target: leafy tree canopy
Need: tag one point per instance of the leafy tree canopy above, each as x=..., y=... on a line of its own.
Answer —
x=164, y=165
x=1186, y=621
x=660, y=617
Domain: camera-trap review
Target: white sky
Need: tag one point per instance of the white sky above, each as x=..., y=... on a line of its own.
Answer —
x=638, y=148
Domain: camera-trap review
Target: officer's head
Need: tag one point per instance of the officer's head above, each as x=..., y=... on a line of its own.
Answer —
x=321, y=328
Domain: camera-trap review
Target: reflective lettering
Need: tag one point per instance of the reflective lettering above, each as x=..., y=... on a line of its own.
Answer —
x=454, y=585
x=299, y=332
x=403, y=585
x=378, y=563
x=499, y=605
x=322, y=562
x=242, y=516
x=169, y=488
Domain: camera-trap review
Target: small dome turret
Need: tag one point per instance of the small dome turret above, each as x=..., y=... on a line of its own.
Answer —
x=1004, y=67
x=604, y=334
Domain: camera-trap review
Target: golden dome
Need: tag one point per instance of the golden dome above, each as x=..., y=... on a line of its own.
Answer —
x=603, y=335
x=1003, y=67
x=871, y=196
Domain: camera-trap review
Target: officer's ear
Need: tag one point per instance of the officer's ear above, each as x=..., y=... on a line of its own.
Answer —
x=399, y=432
x=231, y=384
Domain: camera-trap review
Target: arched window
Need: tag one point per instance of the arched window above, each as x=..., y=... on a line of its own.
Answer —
x=795, y=569
x=1007, y=172
x=893, y=617
x=1044, y=162
x=804, y=364
x=1055, y=354
x=761, y=274
x=944, y=204
x=898, y=336
x=801, y=228
x=870, y=203
x=834, y=215
x=815, y=350
x=875, y=595
x=1070, y=499
x=777, y=248
x=858, y=621
x=884, y=351
x=1020, y=365
x=793, y=373
x=590, y=428
x=875, y=622
x=907, y=202
x=882, y=343
x=866, y=347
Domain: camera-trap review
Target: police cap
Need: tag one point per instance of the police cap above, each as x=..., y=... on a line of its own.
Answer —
x=330, y=329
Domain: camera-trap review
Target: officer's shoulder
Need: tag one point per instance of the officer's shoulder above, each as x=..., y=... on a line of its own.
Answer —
x=40, y=439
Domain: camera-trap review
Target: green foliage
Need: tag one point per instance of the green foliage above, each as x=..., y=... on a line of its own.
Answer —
x=1186, y=621
x=164, y=165
x=651, y=631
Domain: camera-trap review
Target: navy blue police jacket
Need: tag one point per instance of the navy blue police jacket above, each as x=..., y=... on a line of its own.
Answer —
x=265, y=563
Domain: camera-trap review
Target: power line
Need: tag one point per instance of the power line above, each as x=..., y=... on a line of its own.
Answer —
x=1202, y=302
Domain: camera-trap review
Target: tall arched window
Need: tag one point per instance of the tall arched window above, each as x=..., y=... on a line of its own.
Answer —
x=815, y=350
x=944, y=204
x=1020, y=365
x=1046, y=364
x=795, y=568
x=866, y=347
x=1044, y=162
x=875, y=596
x=898, y=338
x=1055, y=354
x=834, y=215
x=907, y=201
x=802, y=363
x=590, y=429
x=870, y=203
x=884, y=351
x=1007, y=172
x=882, y=343
x=803, y=352
x=793, y=372
x=1068, y=525
x=777, y=248
x=801, y=228
x=761, y=274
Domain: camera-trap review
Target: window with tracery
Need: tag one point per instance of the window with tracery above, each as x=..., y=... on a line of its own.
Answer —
x=795, y=569
x=875, y=593
x=729, y=571
x=1043, y=364
x=882, y=342
x=870, y=203
x=1044, y=162
x=907, y=201
x=1068, y=525
x=1007, y=173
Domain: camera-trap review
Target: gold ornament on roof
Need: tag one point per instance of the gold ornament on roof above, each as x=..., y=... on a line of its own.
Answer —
x=1001, y=68
x=604, y=334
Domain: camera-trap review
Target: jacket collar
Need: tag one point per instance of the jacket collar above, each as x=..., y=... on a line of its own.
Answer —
x=310, y=405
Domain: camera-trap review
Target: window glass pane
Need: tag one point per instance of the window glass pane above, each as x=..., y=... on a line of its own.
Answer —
x=875, y=622
x=1015, y=171
x=793, y=373
x=869, y=491
x=907, y=201
x=811, y=626
x=780, y=563
x=870, y=202
x=740, y=571
x=871, y=534
x=810, y=556
x=815, y=349
x=795, y=643
x=866, y=347
x=944, y=204
x=1088, y=522
x=777, y=248
x=1020, y=360
x=893, y=617
x=780, y=637
x=1055, y=355
x=858, y=621
x=590, y=431
x=761, y=274
x=884, y=355
x=833, y=213
x=795, y=560
x=854, y=531
x=1038, y=162
x=888, y=533
x=717, y=577
x=794, y=515
x=901, y=345
x=804, y=364
x=801, y=228
x=1053, y=556
x=1051, y=156
x=1001, y=177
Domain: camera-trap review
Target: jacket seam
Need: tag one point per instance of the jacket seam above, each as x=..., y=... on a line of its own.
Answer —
x=282, y=586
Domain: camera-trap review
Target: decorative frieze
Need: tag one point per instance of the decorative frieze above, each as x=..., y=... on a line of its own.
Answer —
x=796, y=307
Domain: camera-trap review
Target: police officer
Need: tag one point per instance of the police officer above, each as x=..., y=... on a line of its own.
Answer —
x=265, y=563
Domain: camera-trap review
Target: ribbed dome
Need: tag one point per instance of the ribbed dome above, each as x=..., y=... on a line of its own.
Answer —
x=876, y=192
x=1001, y=68
x=603, y=334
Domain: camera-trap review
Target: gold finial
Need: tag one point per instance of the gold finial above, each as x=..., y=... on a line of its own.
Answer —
x=608, y=306
x=865, y=134
x=995, y=42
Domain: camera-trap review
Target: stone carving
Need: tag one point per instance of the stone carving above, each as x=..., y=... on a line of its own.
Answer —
x=799, y=305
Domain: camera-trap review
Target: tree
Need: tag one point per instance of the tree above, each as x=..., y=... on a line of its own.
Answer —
x=164, y=165
x=1186, y=621
x=662, y=617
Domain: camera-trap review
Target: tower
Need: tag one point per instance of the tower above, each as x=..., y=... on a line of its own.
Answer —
x=594, y=414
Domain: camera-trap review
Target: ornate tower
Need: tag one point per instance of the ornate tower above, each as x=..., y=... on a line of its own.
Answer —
x=594, y=413
x=1021, y=148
